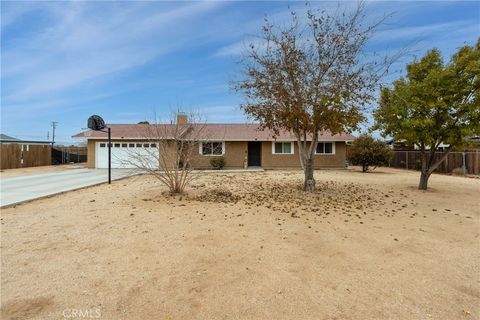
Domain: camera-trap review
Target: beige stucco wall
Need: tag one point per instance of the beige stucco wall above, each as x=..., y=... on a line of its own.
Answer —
x=236, y=153
x=235, y=156
x=280, y=161
x=91, y=153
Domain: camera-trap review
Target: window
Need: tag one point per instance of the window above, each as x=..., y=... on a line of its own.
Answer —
x=212, y=148
x=124, y=145
x=102, y=145
x=153, y=145
x=325, y=148
x=139, y=145
x=131, y=145
x=116, y=145
x=282, y=148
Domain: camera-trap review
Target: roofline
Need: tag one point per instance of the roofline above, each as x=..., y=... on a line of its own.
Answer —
x=239, y=140
x=24, y=141
x=332, y=137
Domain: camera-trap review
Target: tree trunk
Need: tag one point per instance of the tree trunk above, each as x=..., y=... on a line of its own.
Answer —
x=423, y=180
x=428, y=166
x=300, y=155
x=425, y=172
x=309, y=183
x=364, y=167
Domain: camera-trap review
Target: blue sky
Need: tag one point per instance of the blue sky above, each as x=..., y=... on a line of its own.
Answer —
x=63, y=61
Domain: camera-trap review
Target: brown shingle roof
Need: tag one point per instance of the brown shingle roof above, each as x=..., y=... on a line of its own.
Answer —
x=223, y=132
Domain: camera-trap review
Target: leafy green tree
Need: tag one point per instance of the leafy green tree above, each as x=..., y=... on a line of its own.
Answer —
x=367, y=151
x=143, y=122
x=435, y=103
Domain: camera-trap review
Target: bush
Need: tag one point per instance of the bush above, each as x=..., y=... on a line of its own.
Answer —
x=217, y=163
x=367, y=151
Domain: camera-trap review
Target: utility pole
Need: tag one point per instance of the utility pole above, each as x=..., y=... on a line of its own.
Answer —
x=109, y=155
x=54, y=125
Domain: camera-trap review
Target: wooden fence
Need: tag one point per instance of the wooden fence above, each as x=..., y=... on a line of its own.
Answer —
x=15, y=155
x=466, y=162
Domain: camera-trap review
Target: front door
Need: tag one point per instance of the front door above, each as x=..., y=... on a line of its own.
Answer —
x=254, y=154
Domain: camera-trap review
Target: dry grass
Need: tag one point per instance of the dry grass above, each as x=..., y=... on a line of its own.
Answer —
x=365, y=246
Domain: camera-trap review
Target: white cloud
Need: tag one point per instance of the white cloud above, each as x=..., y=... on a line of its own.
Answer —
x=423, y=31
x=84, y=42
x=238, y=48
x=10, y=13
x=223, y=114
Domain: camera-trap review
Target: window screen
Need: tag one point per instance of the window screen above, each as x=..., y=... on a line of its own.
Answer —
x=278, y=147
x=212, y=148
x=324, y=148
x=283, y=147
x=328, y=147
x=320, y=147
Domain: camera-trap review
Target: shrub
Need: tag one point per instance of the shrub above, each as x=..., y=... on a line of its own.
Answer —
x=217, y=163
x=367, y=151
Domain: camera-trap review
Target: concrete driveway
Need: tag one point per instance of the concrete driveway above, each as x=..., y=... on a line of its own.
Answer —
x=24, y=188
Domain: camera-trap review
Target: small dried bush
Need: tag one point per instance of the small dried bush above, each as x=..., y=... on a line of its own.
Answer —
x=218, y=163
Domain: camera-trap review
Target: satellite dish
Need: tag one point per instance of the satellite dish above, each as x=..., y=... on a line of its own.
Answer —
x=96, y=123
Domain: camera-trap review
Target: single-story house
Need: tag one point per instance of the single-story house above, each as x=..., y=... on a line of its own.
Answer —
x=241, y=145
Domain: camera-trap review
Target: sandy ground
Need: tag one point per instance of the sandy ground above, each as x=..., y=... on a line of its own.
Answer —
x=248, y=246
x=10, y=173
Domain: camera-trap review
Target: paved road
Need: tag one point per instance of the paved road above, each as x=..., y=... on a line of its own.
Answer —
x=19, y=189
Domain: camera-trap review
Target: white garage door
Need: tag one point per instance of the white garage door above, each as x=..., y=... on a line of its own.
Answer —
x=127, y=154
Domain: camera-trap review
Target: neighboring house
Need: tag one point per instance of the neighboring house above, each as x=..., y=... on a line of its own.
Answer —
x=475, y=143
x=5, y=137
x=401, y=145
x=17, y=153
x=241, y=145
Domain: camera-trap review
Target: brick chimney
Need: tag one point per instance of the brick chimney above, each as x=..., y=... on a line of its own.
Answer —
x=182, y=118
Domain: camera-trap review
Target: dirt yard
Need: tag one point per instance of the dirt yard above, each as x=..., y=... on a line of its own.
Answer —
x=248, y=246
x=10, y=173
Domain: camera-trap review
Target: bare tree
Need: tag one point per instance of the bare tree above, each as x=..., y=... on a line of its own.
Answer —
x=311, y=77
x=167, y=150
